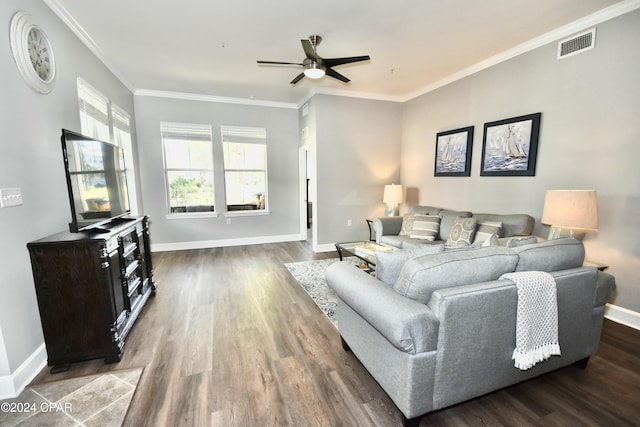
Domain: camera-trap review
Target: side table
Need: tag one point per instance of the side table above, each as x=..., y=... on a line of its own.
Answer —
x=601, y=267
x=372, y=232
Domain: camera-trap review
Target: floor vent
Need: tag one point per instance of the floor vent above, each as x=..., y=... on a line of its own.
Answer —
x=576, y=44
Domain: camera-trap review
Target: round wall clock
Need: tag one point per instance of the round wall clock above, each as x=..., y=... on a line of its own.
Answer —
x=33, y=53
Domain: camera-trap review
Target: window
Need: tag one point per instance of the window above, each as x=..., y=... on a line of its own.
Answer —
x=122, y=138
x=103, y=120
x=94, y=112
x=245, y=168
x=188, y=163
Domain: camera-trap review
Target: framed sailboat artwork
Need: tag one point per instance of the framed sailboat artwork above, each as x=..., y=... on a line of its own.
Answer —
x=510, y=146
x=453, y=152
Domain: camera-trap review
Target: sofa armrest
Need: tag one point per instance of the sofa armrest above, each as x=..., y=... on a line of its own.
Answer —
x=388, y=225
x=605, y=285
x=407, y=324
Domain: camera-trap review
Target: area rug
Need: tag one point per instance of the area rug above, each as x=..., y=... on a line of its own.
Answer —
x=95, y=400
x=310, y=275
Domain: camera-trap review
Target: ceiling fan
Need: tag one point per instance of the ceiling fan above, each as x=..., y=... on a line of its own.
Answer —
x=314, y=65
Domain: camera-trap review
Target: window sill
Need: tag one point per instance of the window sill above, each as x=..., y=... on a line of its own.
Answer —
x=247, y=213
x=191, y=215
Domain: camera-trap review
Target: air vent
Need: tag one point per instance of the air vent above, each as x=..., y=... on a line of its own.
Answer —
x=576, y=44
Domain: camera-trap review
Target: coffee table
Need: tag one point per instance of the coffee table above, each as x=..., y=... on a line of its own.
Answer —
x=363, y=250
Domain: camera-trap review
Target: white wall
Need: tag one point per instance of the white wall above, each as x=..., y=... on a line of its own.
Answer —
x=31, y=159
x=589, y=139
x=281, y=124
x=357, y=145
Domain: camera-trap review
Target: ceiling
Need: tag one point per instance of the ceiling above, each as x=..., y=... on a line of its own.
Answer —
x=208, y=47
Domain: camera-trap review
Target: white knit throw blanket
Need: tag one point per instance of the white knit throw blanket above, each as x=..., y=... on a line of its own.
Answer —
x=537, y=318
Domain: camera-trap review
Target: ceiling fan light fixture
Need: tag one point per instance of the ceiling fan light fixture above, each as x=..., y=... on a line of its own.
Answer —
x=313, y=70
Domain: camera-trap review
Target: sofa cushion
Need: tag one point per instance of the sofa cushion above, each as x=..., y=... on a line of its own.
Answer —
x=425, y=227
x=423, y=275
x=393, y=240
x=424, y=210
x=487, y=228
x=512, y=224
x=389, y=264
x=448, y=219
x=515, y=242
x=552, y=255
x=462, y=232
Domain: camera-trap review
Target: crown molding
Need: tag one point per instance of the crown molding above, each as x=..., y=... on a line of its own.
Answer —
x=598, y=17
x=352, y=94
x=212, y=98
x=84, y=37
x=595, y=18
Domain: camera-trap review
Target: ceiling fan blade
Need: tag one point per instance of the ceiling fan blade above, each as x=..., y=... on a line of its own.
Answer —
x=297, y=79
x=309, y=50
x=279, y=63
x=332, y=62
x=332, y=73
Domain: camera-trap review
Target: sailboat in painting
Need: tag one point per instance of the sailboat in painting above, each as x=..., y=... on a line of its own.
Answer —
x=447, y=153
x=512, y=144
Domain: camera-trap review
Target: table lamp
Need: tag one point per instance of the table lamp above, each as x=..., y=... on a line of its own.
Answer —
x=572, y=210
x=392, y=197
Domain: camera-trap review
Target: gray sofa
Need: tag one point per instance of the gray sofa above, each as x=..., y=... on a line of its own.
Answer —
x=389, y=229
x=443, y=330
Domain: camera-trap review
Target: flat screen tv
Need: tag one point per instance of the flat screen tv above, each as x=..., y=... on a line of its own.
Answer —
x=96, y=180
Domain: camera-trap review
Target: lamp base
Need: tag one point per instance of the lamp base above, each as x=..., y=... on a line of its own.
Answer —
x=392, y=210
x=562, y=233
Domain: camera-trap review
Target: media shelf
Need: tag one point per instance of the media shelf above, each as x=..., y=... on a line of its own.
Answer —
x=91, y=287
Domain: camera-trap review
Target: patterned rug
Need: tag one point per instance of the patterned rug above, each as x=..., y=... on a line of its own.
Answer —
x=94, y=400
x=310, y=275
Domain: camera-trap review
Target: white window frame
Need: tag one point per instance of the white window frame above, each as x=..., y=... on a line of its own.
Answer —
x=186, y=129
x=121, y=131
x=104, y=120
x=245, y=135
x=94, y=112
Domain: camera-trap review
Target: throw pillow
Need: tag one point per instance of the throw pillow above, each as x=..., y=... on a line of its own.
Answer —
x=462, y=232
x=389, y=263
x=486, y=229
x=407, y=225
x=426, y=227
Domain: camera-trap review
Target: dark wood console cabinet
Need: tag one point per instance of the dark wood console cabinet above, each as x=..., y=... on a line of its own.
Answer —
x=91, y=287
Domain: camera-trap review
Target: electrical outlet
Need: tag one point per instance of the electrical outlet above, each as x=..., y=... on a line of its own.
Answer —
x=349, y=223
x=228, y=221
x=10, y=197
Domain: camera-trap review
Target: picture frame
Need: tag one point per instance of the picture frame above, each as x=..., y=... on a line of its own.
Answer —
x=453, y=152
x=510, y=146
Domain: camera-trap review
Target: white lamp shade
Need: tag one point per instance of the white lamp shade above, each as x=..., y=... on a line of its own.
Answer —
x=392, y=194
x=571, y=209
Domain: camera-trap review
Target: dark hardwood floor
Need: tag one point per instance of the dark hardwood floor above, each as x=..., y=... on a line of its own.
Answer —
x=231, y=339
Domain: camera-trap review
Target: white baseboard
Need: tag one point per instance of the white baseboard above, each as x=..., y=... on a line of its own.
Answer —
x=205, y=244
x=12, y=385
x=328, y=247
x=623, y=315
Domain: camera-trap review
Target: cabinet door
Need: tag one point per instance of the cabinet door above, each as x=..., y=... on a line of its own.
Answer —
x=73, y=286
x=120, y=303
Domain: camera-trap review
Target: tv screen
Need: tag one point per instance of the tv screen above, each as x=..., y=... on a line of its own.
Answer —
x=96, y=180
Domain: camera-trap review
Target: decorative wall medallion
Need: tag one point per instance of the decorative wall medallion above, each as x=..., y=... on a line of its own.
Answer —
x=32, y=53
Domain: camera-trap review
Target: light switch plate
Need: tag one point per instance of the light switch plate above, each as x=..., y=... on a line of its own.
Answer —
x=10, y=197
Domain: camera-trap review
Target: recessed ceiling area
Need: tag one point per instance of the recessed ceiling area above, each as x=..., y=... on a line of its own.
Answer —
x=211, y=48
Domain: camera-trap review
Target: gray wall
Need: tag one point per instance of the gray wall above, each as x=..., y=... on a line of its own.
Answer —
x=31, y=159
x=357, y=145
x=282, y=157
x=589, y=139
